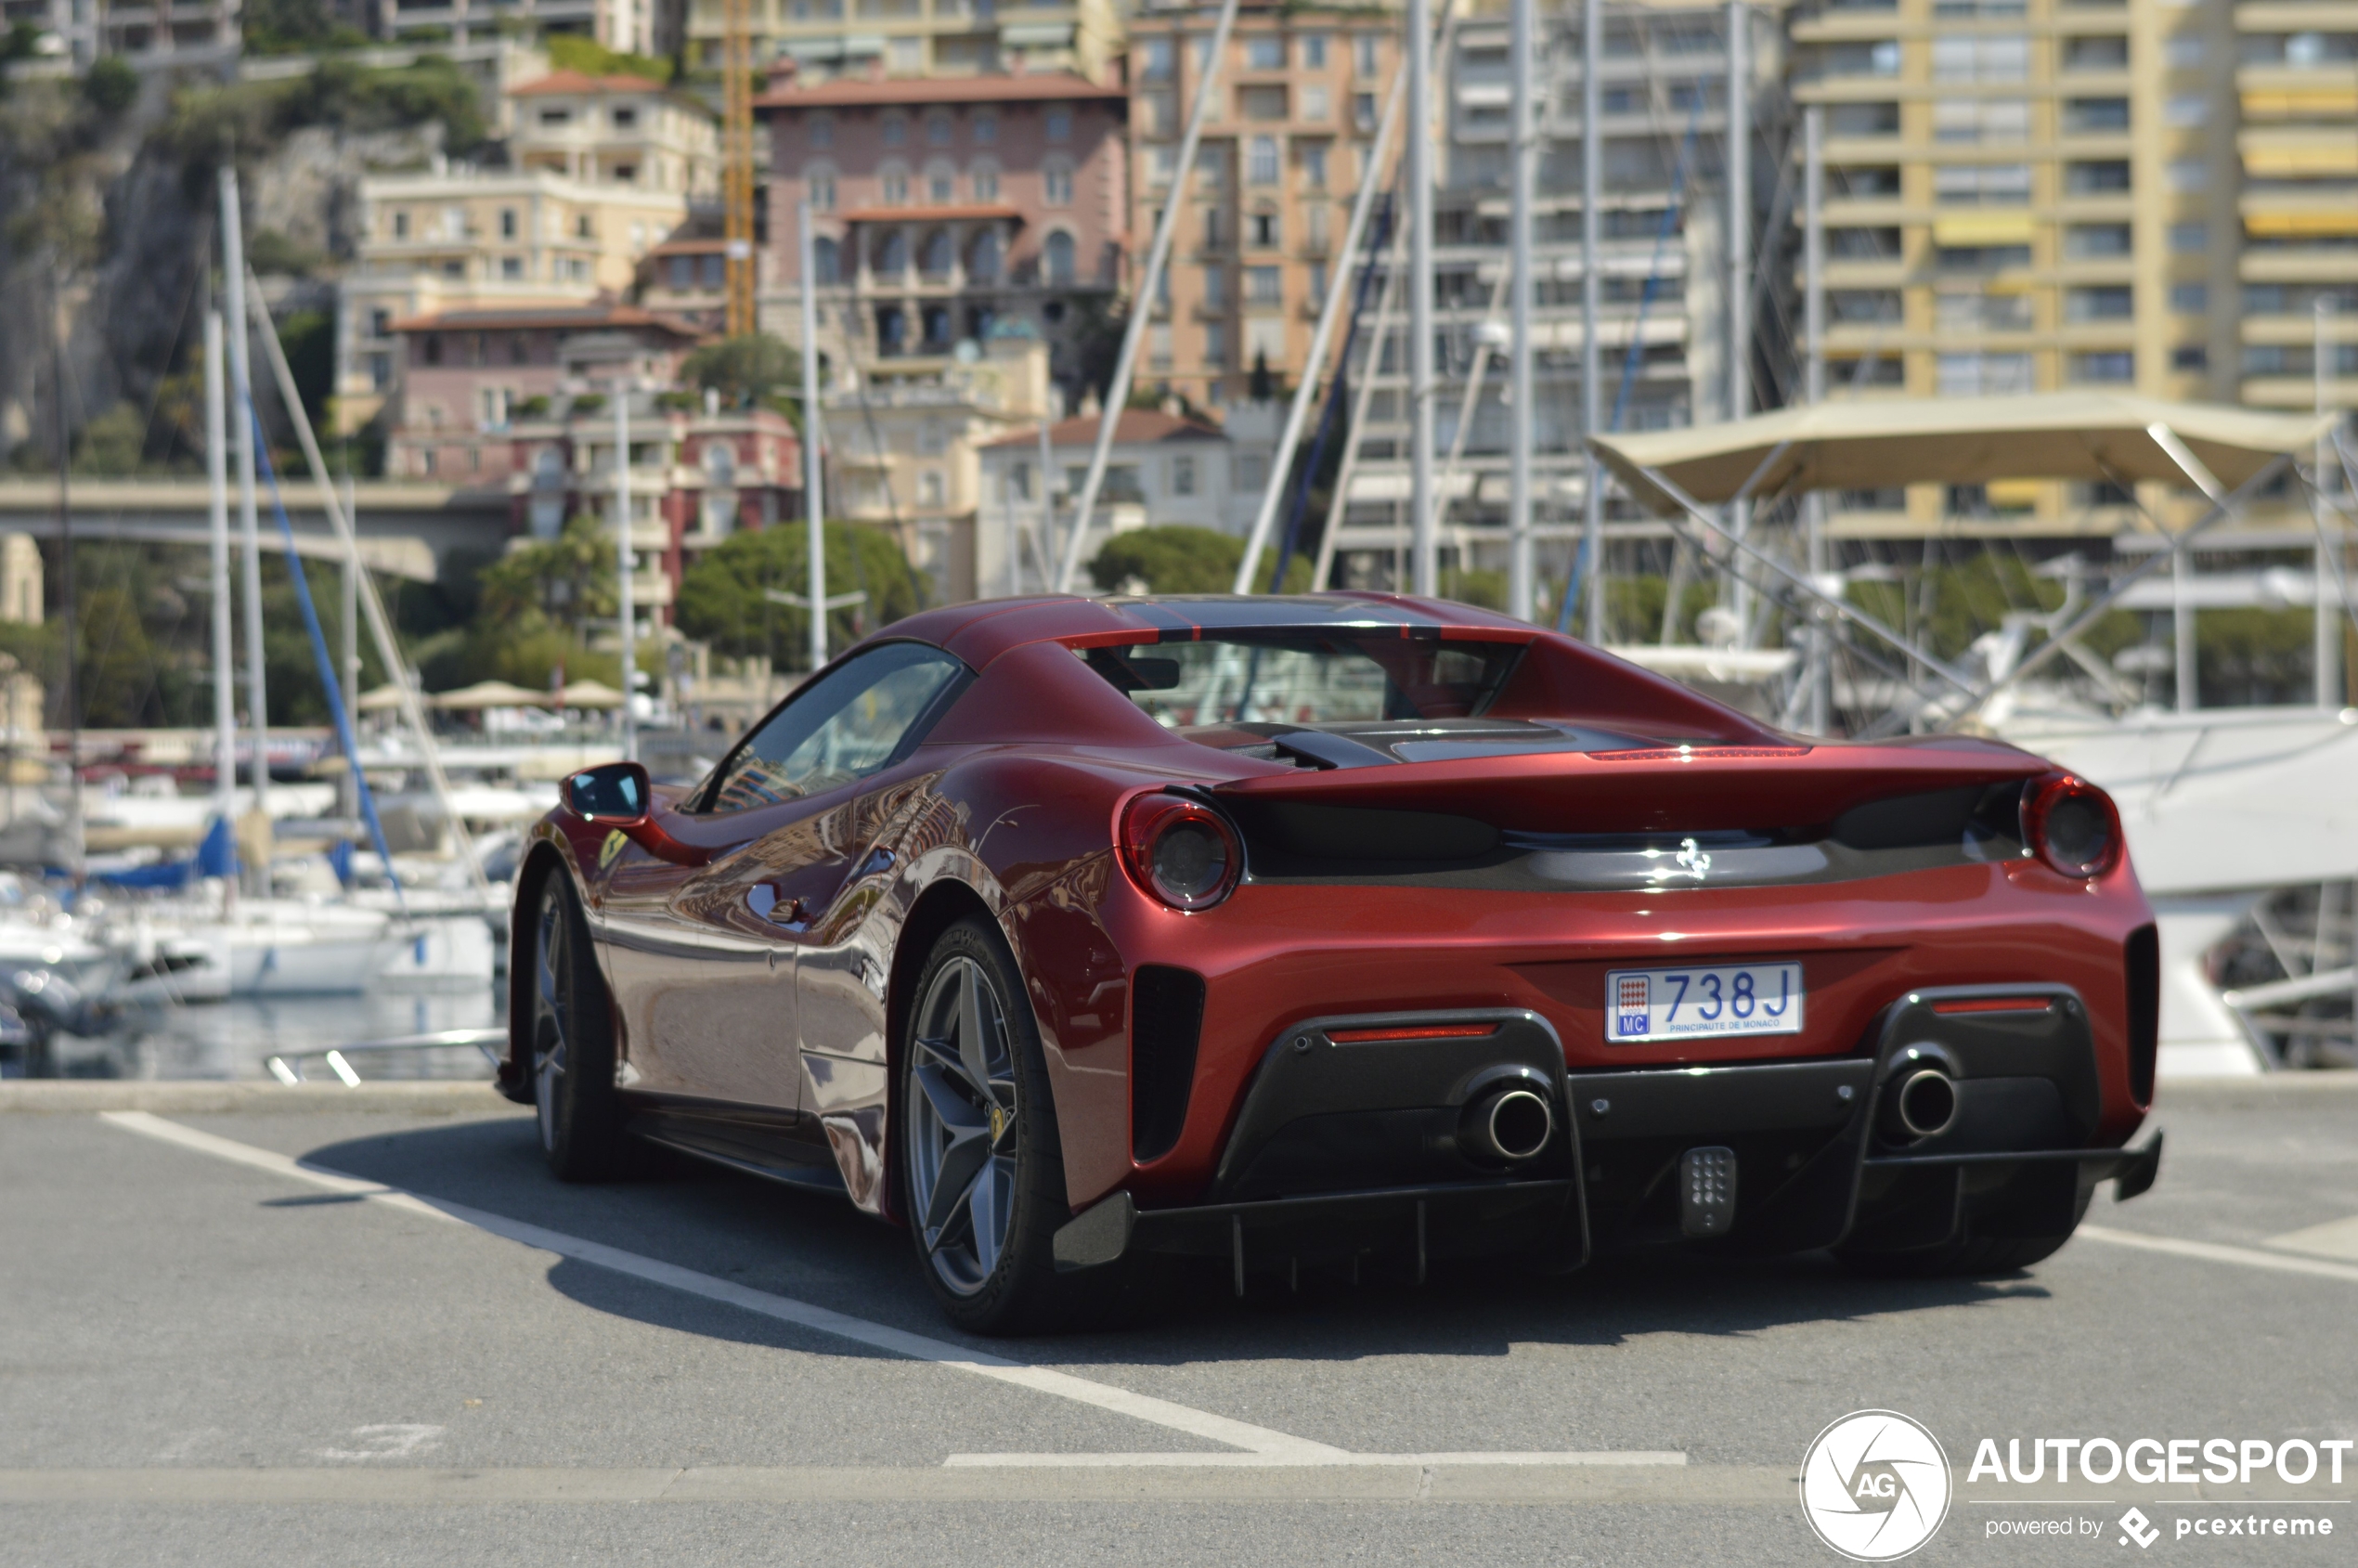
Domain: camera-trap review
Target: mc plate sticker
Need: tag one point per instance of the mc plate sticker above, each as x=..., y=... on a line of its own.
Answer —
x=1697, y=1003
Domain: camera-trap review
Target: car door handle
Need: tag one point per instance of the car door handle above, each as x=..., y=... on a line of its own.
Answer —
x=763, y=900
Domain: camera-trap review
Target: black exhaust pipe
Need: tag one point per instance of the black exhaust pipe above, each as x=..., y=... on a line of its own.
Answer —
x=1921, y=1105
x=1507, y=1126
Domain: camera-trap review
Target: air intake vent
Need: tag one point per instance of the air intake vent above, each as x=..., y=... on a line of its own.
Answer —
x=1166, y=1014
x=2144, y=1011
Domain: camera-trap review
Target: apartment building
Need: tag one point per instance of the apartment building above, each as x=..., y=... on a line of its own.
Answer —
x=1265, y=208
x=921, y=38
x=2297, y=84
x=205, y=30
x=631, y=26
x=942, y=207
x=908, y=443
x=465, y=238
x=2025, y=196
x=699, y=474
x=617, y=130
x=600, y=170
x=1161, y=469
x=1662, y=265
x=469, y=376
x=686, y=277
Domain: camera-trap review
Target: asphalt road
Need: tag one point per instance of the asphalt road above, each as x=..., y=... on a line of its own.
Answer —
x=209, y=1355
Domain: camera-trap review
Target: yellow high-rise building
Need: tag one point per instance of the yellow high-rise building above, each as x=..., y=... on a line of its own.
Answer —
x=2297, y=77
x=2027, y=196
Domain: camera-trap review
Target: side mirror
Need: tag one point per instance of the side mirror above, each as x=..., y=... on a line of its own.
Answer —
x=619, y=795
x=616, y=795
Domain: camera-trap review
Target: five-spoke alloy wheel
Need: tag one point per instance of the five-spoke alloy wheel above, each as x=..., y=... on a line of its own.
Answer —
x=571, y=1042
x=983, y=1184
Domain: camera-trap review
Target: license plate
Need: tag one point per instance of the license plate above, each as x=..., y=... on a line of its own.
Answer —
x=1703, y=1002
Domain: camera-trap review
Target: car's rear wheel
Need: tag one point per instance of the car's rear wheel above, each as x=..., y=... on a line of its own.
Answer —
x=572, y=1044
x=982, y=1171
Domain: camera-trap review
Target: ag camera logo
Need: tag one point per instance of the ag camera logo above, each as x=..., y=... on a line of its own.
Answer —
x=1874, y=1485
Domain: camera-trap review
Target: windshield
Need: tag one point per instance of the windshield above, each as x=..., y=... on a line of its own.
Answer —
x=1307, y=678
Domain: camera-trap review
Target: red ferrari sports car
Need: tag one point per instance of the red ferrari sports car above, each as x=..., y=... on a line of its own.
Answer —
x=1346, y=931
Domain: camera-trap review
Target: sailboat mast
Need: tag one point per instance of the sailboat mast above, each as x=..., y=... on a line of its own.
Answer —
x=1819, y=669
x=1424, y=551
x=241, y=422
x=1593, y=362
x=225, y=657
x=65, y=577
x=1520, y=53
x=1739, y=268
x=628, y=623
x=349, y=794
x=814, y=502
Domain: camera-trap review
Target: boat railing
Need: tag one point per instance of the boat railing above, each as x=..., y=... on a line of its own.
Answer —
x=288, y=1066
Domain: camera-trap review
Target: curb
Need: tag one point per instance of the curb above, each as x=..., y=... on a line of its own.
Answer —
x=88, y=1096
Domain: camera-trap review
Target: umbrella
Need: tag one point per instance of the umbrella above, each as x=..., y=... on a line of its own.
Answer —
x=589, y=693
x=487, y=693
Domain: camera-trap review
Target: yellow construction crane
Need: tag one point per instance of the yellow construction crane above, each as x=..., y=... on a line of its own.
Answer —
x=736, y=161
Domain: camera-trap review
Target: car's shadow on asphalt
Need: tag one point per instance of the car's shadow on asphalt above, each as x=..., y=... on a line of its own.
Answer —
x=818, y=1249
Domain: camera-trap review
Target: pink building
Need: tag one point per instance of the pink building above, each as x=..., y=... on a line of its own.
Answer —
x=468, y=375
x=699, y=474
x=942, y=205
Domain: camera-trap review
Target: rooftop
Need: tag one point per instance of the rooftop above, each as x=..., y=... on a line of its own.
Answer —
x=569, y=81
x=1032, y=87
x=1136, y=427
x=953, y=212
x=574, y=318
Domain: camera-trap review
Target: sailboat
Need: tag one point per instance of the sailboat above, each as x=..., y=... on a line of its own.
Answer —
x=214, y=940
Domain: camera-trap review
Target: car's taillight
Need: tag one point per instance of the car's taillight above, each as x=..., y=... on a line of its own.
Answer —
x=1183, y=853
x=2071, y=824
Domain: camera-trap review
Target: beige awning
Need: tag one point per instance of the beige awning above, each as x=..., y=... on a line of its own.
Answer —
x=487, y=693
x=589, y=693
x=1876, y=443
x=381, y=699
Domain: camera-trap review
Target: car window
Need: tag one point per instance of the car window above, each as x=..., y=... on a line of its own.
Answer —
x=1288, y=678
x=844, y=726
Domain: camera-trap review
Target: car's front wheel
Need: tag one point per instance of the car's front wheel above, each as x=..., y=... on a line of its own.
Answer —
x=572, y=1043
x=982, y=1171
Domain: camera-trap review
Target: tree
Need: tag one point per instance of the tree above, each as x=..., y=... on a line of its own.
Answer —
x=724, y=597
x=290, y=27
x=308, y=338
x=113, y=444
x=573, y=51
x=564, y=582
x=1181, y=558
x=111, y=84
x=1099, y=323
x=744, y=370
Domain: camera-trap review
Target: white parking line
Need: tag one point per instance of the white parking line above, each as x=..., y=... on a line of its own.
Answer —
x=1262, y=1446
x=2335, y=1238
x=2213, y=1251
x=1637, y=1457
x=175, y=1486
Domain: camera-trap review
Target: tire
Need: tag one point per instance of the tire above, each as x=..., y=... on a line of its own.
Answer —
x=571, y=1062
x=1967, y=1256
x=982, y=1179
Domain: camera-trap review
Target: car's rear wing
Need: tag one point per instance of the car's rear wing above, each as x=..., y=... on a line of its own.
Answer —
x=1655, y=789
